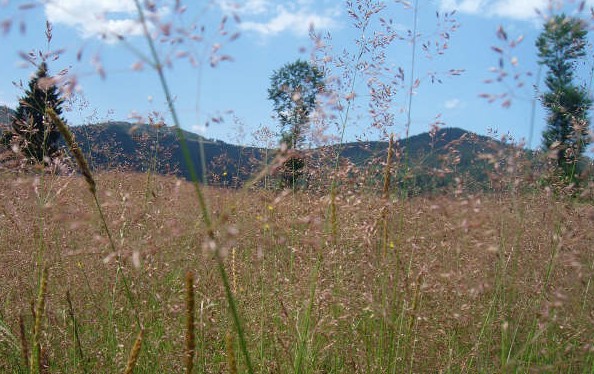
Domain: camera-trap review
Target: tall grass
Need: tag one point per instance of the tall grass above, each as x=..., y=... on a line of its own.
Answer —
x=486, y=297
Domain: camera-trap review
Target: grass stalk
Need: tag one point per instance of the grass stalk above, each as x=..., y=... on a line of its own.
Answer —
x=386, y=193
x=35, y=363
x=78, y=345
x=412, y=320
x=190, y=325
x=233, y=270
x=158, y=66
x=413, y=57
x=152, y=168
x=344, y=120
x=410, y=93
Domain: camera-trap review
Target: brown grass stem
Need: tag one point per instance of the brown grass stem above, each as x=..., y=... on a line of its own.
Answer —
x=190, y=325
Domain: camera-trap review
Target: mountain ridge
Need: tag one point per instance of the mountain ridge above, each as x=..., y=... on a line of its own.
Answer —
x=122, y=145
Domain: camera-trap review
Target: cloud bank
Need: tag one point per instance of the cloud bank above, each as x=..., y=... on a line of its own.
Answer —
x=270, y=18
x=92, y=18
x=110, y=18
x=522, y=10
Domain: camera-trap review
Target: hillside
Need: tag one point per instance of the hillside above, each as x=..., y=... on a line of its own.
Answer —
x=432, y=162
x=425, y=162
x=121, y=145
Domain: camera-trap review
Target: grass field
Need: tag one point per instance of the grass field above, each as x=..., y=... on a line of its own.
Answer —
x=470, y=283
x=119, y=272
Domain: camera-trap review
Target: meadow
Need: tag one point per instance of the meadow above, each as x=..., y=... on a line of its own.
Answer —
x=491, y=282
x=114, y=271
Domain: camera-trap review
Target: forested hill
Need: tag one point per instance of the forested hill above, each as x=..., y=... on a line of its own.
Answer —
x=433, y=160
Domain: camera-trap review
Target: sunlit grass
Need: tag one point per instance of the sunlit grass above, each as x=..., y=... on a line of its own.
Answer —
x=480, y=283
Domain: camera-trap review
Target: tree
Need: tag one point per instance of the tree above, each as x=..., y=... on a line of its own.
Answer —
x=293, y=91
x=34, y=132
x=561, y=44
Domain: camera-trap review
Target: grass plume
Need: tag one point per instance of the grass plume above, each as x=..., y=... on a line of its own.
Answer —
x=134, y=353
x=35, y=364
x=23, y=339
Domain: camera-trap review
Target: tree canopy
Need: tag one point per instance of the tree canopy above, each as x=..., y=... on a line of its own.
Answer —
x=293, y=91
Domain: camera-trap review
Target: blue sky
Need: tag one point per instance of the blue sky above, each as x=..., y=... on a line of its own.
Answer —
x=112, y=83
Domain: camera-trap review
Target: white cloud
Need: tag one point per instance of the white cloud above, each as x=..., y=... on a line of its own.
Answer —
x=297, y=23
x=248, y=7
x=464, y=6
x=454, y=103
x=269, y=18
x=513, y=9
x=199, y=129
x=95, y=18
x=522, y=10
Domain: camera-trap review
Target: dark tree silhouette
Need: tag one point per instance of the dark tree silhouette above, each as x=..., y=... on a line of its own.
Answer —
x=36, y=135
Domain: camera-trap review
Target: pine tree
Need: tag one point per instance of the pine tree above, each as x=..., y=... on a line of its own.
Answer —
x=561, y=44
x=35, y=134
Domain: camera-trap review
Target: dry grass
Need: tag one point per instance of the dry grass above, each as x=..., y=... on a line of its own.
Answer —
x=480, y=283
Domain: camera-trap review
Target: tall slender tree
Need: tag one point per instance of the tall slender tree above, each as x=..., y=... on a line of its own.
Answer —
x=36, y=134
x=560, y=45
x=293, y=91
